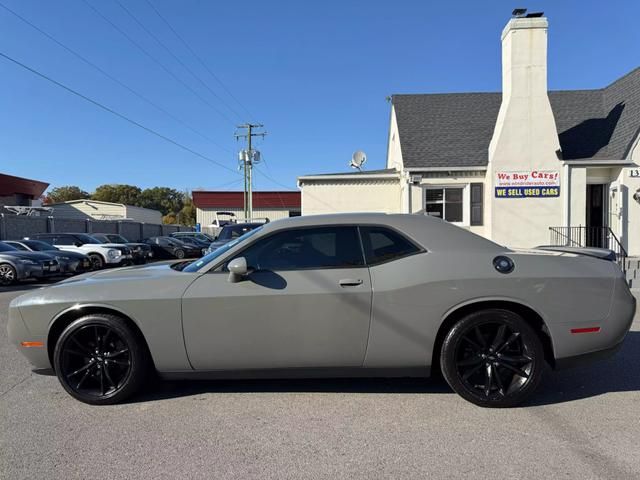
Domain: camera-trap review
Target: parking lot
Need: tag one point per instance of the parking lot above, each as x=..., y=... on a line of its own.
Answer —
x=583, y=423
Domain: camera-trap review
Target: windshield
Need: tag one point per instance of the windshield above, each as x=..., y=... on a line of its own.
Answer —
x=230, y=232
x=7, y=248
x=39, y=246
x=113, y=238
x=86, y=238
x=207, y=259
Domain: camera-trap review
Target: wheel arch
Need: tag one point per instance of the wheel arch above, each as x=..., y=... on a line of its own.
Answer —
x=528, y=313
x=66, y=317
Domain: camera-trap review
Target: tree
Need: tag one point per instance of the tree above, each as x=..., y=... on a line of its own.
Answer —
x=167, y=200
x=187, y=216
x=127, y=194
x=169, y=219
x=64, y=194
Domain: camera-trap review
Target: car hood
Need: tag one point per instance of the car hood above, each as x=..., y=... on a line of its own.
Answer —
x=111, y=287
x=65, y=253
x=218, y=243
x=28, y=255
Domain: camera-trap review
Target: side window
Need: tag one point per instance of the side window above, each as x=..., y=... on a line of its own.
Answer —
x=382, y=244
x=46, y=238
x=63, y=240
x=308, y=248
x=19, y=246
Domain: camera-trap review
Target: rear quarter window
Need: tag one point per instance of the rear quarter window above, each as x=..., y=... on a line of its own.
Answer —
x=382, y=244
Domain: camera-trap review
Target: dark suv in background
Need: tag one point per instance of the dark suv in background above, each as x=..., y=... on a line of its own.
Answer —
x=141, y=251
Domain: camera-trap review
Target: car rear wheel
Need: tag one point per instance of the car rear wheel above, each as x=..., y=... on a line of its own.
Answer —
x=179, y=254
x=493, y=358
x=100, y=360
x=8, y=275
x=96, y=261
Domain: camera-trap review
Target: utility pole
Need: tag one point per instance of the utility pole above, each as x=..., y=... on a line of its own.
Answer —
x=247, y=159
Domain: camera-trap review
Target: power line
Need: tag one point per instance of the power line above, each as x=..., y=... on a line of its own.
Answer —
x=117, y=114
x=197, y=57
x=154, y=59
x=175, y=57
x=114, y=79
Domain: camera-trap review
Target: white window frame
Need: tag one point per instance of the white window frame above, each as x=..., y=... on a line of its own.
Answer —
x=466, y=214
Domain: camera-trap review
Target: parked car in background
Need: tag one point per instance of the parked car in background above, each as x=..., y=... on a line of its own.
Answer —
x=70, y=262
x=141, y=252
x=168, y=247
x=230, y=232
x=101, y=254
x=203, y=246
x=199, y=236
x=16, y=265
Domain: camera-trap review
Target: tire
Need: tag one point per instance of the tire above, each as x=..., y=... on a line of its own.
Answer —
x=493, y=358
x=8, y=274
x=179, y=254
x=97, y=262
x=96, y=372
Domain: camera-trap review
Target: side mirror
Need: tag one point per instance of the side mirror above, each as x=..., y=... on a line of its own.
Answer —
x=77, y=244
x=237, y=269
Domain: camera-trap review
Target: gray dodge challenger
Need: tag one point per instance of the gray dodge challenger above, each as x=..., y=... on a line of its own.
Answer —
x=347, y=295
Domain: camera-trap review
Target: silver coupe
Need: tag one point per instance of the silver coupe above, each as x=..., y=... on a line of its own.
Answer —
x=332, y=295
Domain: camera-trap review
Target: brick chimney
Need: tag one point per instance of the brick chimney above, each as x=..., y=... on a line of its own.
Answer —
x=525, y=136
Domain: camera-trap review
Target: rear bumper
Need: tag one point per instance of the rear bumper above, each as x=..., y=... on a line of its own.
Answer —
x=586, y=358
x=583, y=348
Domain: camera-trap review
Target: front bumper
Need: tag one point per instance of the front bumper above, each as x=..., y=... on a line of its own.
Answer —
x=122, y=259
x=25, y=271
x=18, y=333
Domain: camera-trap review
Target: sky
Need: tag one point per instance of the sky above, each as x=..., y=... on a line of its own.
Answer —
x=317, y=74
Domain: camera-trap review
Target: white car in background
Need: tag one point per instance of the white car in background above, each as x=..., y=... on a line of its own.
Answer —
x=101, y=254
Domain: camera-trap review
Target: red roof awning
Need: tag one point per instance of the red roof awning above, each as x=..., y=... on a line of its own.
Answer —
x=10, y=185
x=203, y=199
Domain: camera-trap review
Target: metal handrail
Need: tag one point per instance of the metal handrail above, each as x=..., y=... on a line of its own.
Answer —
x=583, y=236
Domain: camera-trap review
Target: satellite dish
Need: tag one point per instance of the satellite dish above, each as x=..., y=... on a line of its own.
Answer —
x=358, y=160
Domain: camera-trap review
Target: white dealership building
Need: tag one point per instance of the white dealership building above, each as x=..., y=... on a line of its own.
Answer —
x=523, y=167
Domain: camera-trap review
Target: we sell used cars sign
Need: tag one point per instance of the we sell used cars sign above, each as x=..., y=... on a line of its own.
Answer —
x=532, y=183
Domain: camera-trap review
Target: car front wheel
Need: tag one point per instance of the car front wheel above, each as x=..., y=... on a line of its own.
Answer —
x=493, y=358
x=8, y=275
x=179, y=254
x=97, y=261
x=100, y=360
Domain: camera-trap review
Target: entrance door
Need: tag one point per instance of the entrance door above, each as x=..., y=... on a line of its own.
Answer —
x=596, y=234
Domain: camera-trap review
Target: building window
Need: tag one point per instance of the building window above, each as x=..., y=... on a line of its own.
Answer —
x=445, y=202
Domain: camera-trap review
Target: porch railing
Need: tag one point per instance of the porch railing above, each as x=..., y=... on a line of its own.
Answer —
x=581, y=236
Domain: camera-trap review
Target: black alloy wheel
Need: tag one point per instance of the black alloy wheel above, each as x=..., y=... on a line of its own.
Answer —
x=97, y=262
x=179, y=254
x=8, y=275
x=99, y=360
x=493, y=358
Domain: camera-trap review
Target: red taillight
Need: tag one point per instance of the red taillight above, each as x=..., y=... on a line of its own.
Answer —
x=585, y=330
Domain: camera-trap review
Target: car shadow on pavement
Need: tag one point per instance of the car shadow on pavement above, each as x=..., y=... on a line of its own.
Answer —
x=616, y=374
x=183, y=388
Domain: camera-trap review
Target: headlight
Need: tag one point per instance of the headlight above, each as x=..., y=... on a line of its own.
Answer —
x=27, y=261
x=64, y=259
x=113, y=253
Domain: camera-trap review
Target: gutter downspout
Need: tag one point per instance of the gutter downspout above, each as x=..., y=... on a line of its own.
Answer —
x=567, y=198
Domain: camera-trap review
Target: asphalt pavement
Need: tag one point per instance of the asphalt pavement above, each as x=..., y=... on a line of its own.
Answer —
x=583, y=423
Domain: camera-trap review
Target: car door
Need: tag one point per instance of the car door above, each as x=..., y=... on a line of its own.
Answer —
x=307, y=303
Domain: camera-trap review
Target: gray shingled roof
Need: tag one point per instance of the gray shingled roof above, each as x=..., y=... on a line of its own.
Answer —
x=454, y=129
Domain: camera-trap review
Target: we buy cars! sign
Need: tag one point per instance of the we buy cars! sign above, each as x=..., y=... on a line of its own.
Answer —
x=533, y=183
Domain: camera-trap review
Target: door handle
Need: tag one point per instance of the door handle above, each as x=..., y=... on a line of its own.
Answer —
x=350, y=282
